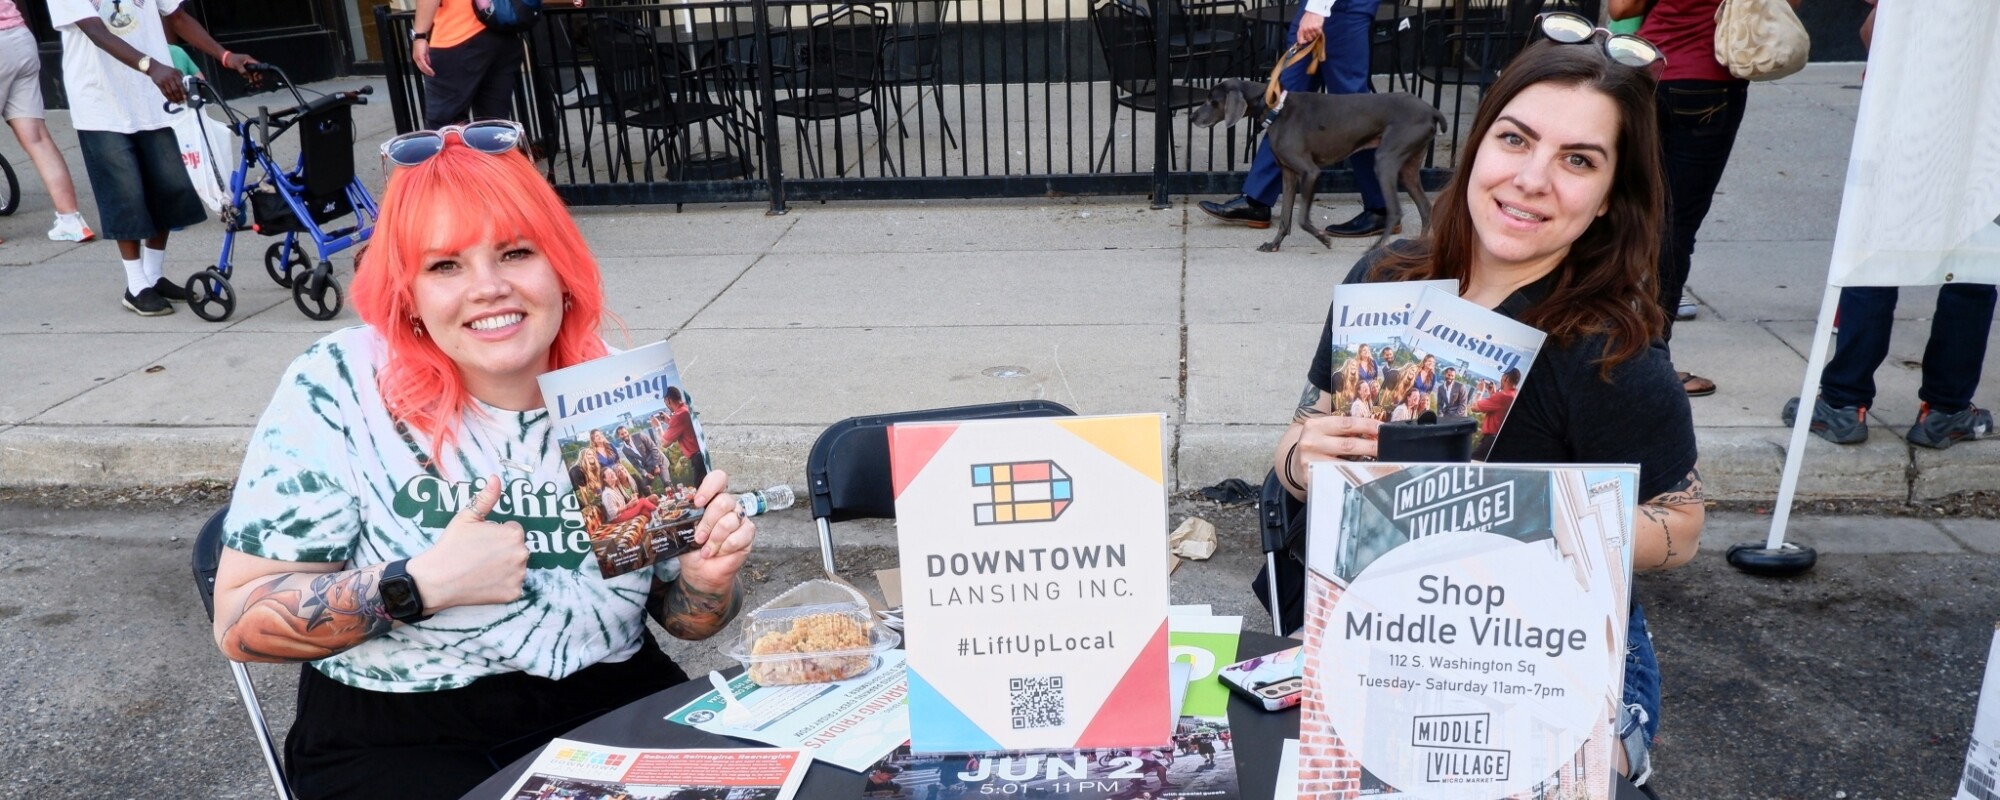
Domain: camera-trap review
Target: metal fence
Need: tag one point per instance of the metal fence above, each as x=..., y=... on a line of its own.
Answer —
x=780, y=101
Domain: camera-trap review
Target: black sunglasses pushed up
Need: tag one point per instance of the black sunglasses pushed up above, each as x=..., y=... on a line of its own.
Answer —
x=1563, y=27
x=492, y=137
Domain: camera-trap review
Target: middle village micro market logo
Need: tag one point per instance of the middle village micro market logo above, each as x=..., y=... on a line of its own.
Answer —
x=1020, y=491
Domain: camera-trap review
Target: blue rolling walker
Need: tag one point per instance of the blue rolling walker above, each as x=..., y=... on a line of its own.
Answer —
x=302, y=203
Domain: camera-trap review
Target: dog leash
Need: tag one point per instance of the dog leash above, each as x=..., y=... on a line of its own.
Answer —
x=1317, y=51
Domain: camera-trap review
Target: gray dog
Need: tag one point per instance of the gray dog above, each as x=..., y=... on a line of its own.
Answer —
x=1314, y=130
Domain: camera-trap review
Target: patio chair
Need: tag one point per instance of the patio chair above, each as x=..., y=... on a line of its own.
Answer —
x=1210, y=39
x=841, y=73
x=847, y=472
x=913, y=56
x=1125, y=36
x=1467, y=45
x=207, y=555
x=662, y=101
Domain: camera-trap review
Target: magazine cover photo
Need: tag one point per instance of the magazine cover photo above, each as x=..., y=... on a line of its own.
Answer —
x=634, y=451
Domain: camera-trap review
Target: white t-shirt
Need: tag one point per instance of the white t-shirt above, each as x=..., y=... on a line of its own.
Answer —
x=328, y=479
x=104, y=93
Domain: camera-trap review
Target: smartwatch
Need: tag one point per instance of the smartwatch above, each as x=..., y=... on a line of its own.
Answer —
x=420, y=37
x=399, y=594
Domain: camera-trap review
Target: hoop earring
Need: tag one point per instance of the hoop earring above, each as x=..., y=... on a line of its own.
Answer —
x=416, y=327
x=567, y=299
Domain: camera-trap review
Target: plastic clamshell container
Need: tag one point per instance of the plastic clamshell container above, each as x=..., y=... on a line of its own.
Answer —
x=816, y=632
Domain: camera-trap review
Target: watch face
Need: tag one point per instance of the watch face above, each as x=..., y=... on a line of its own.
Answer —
x=398, y=598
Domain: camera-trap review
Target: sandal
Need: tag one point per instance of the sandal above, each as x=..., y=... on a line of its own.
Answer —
x=1696, y=385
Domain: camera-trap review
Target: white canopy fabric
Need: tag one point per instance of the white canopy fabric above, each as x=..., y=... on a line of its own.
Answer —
x=1922, y=200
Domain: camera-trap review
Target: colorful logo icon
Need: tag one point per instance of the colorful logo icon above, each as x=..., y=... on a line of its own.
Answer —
x=1021, y=491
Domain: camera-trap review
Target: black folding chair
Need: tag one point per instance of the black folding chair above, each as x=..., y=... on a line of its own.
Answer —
x=1125, y=35
x=1281, y=520
x=207, y=556
x=848, y=469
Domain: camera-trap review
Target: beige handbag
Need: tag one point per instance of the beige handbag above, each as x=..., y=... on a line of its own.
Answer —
x=1760, y=40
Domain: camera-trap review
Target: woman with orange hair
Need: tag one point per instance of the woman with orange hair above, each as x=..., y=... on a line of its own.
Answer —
x=397, y=522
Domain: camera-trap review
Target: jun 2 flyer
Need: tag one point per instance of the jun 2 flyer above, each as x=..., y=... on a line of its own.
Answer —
x=1465, y=630
x=1034, y=582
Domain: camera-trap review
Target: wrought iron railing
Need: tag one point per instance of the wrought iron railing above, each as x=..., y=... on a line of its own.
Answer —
x=795, y=100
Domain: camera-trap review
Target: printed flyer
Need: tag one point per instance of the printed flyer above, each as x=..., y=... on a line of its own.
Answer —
x=568, y=769
x=1033, y=557
x=1372, y=354
x=634, y=453
x=1465, y=630
x=849, y=723
x=1982, y=757
x=1469, y=362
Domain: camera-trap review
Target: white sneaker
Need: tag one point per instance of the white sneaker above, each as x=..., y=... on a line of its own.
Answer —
x=78, y=231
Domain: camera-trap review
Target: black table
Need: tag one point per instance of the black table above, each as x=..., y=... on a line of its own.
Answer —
x=1256, y=735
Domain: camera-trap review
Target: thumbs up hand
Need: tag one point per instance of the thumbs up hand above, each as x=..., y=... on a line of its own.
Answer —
x=474, y=562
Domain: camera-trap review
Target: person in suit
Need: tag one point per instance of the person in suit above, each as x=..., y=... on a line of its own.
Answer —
x=1345, y=25
x=1451, y=397
x=644, y=455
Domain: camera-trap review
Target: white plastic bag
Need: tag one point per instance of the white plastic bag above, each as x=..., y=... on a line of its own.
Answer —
x=206, y=161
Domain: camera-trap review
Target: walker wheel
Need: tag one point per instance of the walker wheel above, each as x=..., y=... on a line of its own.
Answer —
x=210, y=296
x=317, y=293
x=282, y=265
x=1785, y=561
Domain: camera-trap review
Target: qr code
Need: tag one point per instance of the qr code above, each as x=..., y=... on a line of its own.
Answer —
x=1038, y=702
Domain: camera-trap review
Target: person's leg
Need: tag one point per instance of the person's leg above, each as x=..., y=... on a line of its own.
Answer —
x=1866, y=315
x=171, y=202
x=448, y=93
x=1957, y=349
x=1262, y=185
x=1639, y=715
x=111, y=162
x=1346, y=72
x=493, y=98
x=1698, y=124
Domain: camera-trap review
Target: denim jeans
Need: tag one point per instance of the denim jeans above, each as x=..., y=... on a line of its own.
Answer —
x=1347, y=30
x=1952, y=359
x=1639, y=719
x=1698, y=122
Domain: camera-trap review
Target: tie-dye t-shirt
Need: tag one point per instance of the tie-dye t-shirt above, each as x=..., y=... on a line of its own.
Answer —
x=328, y=479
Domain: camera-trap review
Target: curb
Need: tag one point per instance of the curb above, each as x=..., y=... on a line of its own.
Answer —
x=1736, y=463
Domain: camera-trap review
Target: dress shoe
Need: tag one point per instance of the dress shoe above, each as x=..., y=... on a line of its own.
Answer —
x=1367, y=223
x=1240, y=210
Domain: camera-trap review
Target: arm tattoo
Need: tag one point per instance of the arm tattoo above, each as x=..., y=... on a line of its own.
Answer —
x=1687, y=492
x=1308, y=405
x=306, y=617
x=690, y=613
x=1657, y=510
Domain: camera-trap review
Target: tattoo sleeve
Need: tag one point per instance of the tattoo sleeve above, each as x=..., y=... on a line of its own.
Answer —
x=1687, y=492
x=308, y=616
x=1308, y=405
x=690, y=613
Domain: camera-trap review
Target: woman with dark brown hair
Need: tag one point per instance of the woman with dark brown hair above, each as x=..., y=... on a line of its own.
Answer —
x=1554, y=219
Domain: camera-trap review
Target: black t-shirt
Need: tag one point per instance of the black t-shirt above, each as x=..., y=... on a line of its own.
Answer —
x=1568, y=413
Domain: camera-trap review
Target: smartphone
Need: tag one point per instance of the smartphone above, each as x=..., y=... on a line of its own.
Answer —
x=1273, y=682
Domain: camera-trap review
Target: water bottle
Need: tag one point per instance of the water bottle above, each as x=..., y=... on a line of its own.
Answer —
x=775, y=498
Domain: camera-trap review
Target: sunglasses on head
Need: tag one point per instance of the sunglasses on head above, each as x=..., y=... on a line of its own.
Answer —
x=492, y=137
x=1563, y=27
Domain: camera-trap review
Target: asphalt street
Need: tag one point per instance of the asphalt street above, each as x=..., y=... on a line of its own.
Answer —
x=1857, y=681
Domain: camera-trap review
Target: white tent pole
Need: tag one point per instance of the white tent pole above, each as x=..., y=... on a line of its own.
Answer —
x=1795, y=453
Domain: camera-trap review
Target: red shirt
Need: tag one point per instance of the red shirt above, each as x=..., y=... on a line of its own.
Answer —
x=680, y=428
x=1684, y=30
x=1494, y=410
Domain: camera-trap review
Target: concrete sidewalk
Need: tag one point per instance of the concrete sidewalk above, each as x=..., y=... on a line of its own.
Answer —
x=786, y=324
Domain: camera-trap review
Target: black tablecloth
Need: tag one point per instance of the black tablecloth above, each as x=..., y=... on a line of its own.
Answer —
x=1256, y=737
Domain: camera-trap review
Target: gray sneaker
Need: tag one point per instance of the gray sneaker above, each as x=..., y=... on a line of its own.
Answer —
x=1940, y=430
x=1836, y=424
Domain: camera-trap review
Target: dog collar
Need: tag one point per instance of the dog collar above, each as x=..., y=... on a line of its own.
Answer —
x=1272, y=115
